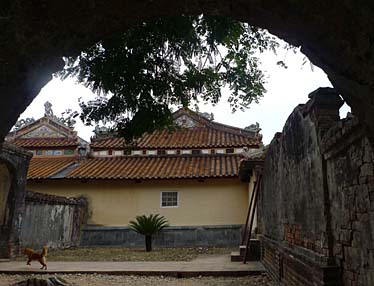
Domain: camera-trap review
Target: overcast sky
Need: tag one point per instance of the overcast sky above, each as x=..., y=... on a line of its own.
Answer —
x=286, y=88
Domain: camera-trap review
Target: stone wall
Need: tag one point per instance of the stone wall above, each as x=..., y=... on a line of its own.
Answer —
x=174, y=236
x=52, y=220
x=350, y=178
x=314, y=207
x=5, y=183
x=13, y=169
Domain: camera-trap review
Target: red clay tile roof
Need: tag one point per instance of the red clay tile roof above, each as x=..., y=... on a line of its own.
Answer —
x=165, y=167
x=45, y=142
x=43, y=168
x=201, y=137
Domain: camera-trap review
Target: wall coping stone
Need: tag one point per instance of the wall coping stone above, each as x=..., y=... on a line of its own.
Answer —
x=341, y=135
x=322, y=98
x=52, y=199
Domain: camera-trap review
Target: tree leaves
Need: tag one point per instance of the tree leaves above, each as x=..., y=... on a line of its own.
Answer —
x=169, y=61
x=148, y=225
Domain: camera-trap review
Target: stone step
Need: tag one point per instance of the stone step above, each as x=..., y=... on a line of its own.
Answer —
x=235, y=256
x=253, y=254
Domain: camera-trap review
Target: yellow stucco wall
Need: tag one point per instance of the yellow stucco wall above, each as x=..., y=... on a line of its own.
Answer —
x=114, y=203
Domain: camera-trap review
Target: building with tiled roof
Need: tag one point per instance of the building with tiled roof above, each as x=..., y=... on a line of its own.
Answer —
x=190, y=175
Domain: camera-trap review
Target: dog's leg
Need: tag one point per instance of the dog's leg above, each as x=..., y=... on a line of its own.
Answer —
x=28, y=262
x=42, y=262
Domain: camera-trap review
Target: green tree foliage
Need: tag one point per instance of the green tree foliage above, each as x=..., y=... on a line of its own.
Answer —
x=148, y=226
x=169, y=61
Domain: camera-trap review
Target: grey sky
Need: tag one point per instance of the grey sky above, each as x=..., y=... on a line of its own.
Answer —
x=286, y=88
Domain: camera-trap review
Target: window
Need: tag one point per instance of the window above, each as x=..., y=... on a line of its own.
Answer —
x=205, y=151
x=171, y=152
x=161, y=152
x=50, y=152
x=68, y=152
x=196, y=152
x=117, y=153
x=169, y=199
x=57, y=152
x=230, y=151
x=220, y=151
x=151, y=152
x=185, y=151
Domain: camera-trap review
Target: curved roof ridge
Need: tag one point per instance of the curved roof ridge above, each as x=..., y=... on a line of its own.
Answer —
x=211, y=123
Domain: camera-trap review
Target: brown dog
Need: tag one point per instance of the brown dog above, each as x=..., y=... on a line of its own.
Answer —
x=32, y=255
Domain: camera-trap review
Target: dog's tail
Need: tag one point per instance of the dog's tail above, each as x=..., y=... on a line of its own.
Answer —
x=44, y=251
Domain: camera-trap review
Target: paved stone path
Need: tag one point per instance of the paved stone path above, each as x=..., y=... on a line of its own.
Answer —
x=131, y=280
x=209, y=265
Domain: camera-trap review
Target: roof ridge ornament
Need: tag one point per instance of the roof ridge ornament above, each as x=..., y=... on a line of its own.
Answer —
x=23, y=122
x=48, y=112
x=207, y=115
x=254, y=128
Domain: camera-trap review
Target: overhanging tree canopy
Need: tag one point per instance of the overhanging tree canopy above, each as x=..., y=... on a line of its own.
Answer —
x=169, y=61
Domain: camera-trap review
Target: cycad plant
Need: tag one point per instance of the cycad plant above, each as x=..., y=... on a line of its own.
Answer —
x=148, y=226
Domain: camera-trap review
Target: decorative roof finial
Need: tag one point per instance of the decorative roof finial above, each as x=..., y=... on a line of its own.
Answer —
x=48, y=109
x=254, y=128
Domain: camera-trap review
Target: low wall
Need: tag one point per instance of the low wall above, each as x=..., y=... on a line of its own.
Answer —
x=294, y=267
x=52, y=220
x=181, y=236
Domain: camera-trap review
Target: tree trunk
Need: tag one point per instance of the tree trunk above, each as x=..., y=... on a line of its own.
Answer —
x=148, y=243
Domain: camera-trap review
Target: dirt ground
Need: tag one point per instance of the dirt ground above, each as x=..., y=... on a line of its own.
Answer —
x=115, y=280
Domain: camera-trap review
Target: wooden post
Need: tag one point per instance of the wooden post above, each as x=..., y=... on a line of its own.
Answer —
x=248, y=214
x=252, y=218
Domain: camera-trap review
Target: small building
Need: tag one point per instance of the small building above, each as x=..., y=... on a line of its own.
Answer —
x=189, y=175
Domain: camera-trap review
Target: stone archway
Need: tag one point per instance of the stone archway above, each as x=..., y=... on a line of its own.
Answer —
x=5, y=183
x=6, y=198
x=337, y=36
x=14, y=163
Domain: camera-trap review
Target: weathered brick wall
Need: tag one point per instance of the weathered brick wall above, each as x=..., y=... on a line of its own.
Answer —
x=315, y=208
x=294, y=163
x=350, y=175
x=52, y=220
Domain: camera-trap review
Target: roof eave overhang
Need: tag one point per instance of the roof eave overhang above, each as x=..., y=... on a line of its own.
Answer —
x=246, y=168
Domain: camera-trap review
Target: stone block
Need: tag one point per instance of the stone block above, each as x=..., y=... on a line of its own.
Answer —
x=368, y=152
x=366, y=170
x=357, y=239
x=345, y=236
x=353, y=258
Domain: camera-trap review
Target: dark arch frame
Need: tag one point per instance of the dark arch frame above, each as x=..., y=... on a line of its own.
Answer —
x=336, y=36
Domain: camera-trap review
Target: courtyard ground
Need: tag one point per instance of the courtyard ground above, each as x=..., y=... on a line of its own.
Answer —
x=132, y=254
x=112, y=266
x=115, y=280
